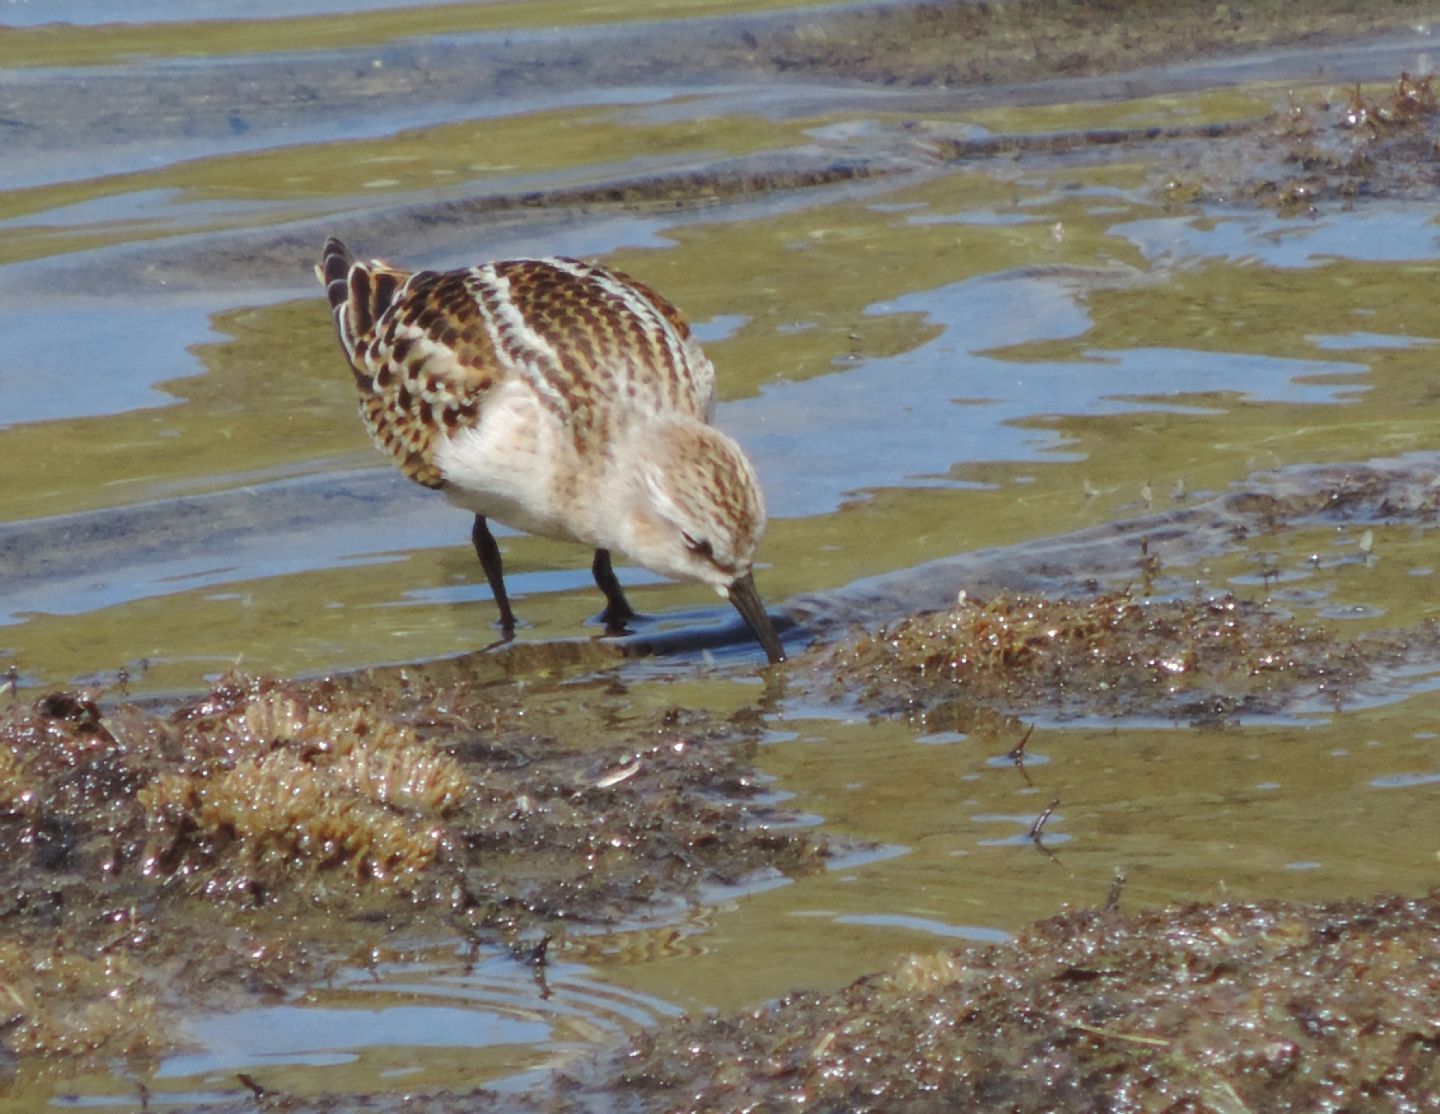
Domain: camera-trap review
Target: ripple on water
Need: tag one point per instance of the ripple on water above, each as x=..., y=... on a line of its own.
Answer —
x=402, y=1025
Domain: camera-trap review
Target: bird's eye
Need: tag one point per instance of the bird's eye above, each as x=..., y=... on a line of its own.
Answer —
x=699, y=546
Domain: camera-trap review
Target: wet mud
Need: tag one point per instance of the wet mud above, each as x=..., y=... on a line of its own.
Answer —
x=1324, y=150
x=1267, y=1006
x=1243, y=1007
x=261, y=834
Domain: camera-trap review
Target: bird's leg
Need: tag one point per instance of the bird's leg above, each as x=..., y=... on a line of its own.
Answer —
x=489, y=553
x=617, y=611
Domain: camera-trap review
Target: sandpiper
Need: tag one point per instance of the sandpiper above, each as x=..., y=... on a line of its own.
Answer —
x=561, y=398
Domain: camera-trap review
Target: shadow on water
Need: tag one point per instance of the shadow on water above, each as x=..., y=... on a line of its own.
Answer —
x=1011, y=320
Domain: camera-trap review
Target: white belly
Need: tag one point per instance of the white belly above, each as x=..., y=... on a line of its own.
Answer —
x=511, y=466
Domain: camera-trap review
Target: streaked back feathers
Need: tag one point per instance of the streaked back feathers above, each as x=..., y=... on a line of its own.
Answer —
x=427, y=348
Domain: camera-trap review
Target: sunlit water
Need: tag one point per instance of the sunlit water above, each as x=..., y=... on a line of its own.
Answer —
x=960, y=358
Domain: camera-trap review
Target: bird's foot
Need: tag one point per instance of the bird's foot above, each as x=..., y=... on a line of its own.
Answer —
x=507, y=635
x=617, y=622
x=505, y=639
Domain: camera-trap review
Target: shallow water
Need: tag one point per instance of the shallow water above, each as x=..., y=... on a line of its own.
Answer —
x=940, y=358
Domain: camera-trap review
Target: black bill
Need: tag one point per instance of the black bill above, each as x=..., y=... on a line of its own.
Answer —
x=747, y=602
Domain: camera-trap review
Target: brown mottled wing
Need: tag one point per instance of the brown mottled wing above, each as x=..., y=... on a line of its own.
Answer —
x=422, y=357
x=427, y=348
x=593, y=337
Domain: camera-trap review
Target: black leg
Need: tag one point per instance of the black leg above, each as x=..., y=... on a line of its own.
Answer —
x=489, y=554
x=617, y=611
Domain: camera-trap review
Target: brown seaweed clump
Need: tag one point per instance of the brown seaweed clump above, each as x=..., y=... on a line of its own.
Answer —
x=1366, y=146
x=1235, y=1007
x=1403, y=490
x=1326, y=148
x=254, y=837
x=284, y=782
x=1110, y=654
x=74, y=1002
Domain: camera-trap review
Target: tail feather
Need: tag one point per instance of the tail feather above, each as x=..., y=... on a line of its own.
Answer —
x=359, y=292
x=332, y=270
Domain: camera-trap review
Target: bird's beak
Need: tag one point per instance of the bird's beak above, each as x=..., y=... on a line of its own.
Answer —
x=747, y=601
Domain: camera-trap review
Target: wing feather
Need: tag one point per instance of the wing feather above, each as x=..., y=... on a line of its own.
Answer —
x=427, y=348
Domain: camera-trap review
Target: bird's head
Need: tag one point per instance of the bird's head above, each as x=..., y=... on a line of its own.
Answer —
x=693, y=511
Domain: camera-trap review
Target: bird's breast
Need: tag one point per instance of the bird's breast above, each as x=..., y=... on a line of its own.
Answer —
x=519, y=465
